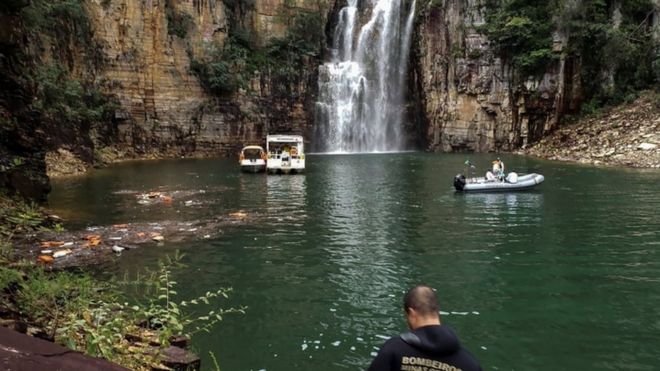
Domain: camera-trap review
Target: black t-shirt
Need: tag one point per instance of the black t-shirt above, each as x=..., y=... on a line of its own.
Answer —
x=428, y=348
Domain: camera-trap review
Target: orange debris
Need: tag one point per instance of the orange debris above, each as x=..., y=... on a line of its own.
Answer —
x=46, y=259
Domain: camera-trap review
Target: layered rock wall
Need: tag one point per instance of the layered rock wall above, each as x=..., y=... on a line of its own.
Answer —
x=164, y=110
x=469, y=100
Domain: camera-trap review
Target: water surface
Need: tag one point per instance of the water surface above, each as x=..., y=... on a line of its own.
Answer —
x=566, y=276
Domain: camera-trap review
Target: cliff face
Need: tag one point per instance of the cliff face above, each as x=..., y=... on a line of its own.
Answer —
x=139, y=54
x=467, y=96
x=164, y=110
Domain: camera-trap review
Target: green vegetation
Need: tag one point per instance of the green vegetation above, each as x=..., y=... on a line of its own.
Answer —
x=61, y=19
x=230, y=67
x=615, y=61
x=63, y=99
x=89, y=315
x=521, y=32
x=178, y=23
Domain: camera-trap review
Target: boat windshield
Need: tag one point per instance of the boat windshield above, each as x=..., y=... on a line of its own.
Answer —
x=284, y=148
x=252, y=153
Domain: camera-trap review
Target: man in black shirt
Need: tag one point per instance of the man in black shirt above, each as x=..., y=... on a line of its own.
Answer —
x=429, y=346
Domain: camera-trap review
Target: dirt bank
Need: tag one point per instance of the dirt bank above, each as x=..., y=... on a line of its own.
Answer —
x=626, y=135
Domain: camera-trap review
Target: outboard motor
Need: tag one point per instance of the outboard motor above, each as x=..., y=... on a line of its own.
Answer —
x=459, y=182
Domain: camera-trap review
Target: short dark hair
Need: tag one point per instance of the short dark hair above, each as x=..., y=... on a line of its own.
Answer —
x=422, y=299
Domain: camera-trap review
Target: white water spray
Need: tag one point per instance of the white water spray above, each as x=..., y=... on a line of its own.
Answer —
x=361, y=90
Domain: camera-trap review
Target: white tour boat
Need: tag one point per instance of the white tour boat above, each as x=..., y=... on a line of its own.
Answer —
x=253, y=159
x=285, y=154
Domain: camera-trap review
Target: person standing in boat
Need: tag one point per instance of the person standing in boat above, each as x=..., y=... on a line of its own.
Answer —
x=429, y=345
x=498, y=169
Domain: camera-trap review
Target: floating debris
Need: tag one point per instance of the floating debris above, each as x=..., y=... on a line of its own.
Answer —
x=51, y=244
x=61, y=253
x=238, y=215
x=46, y=259
x=117, y=248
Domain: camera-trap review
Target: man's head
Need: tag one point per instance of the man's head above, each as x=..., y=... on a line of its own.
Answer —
x=421, y=306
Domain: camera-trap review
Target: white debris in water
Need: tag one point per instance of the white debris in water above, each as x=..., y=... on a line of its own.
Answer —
x=116, y=238
x=353, y=348
x=275, y=355
x=304, y=346
x=317, y=341
x=207, y=236
x=192, y=230
x=382, y=337
x=336, y=343
x=461, y=313
x=333, y=309
x=359, y=339
x=497, y=258
x=475, y=312
x=67, y=244
x=316, y=347
x=444, y=313
x=373, y=354
x=484, y=348
x=391, y=295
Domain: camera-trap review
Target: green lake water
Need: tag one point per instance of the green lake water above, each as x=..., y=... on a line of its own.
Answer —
x=563, y=277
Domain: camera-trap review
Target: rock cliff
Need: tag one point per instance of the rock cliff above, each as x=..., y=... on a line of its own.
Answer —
x=468, y=97
x=164, y=110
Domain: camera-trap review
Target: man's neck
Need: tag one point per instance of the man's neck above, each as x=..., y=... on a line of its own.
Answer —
x=429, y=321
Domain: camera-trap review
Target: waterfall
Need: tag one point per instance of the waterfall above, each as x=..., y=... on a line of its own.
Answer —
x=362, y=88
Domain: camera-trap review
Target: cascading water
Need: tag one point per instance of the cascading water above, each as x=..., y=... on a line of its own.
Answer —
x=361, y=90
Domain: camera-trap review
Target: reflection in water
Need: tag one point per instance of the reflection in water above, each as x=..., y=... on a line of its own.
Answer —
x=286, y=204
x=360, y=235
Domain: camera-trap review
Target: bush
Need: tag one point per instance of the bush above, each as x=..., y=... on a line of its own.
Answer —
x=178, y=23
x=61, y=98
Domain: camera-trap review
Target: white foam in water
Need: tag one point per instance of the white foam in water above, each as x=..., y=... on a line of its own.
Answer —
x=460, y=313
x=444, y=313
x=333, y=309
x=382, y=337
x=353, y=348
x=359, y=339
x=475, y=312
x=336, y=343
x=304, y=346
x=373, y=354
x=484, y=348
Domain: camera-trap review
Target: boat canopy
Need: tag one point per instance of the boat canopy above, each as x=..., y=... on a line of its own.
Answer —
x=284, y=139
x=258, y=148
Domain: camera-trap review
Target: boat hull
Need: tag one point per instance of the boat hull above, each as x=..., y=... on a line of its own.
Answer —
x=524, y=182
x=252, y=167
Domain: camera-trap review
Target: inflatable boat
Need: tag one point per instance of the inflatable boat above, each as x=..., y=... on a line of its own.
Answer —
x=512, y=182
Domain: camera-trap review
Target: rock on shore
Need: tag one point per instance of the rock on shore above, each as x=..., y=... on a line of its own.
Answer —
x=626, y=135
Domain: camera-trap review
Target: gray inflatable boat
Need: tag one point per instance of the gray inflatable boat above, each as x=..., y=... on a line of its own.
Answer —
x=512, y=182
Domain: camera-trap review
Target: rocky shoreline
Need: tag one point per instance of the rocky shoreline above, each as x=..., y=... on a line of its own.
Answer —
x=627, y=136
